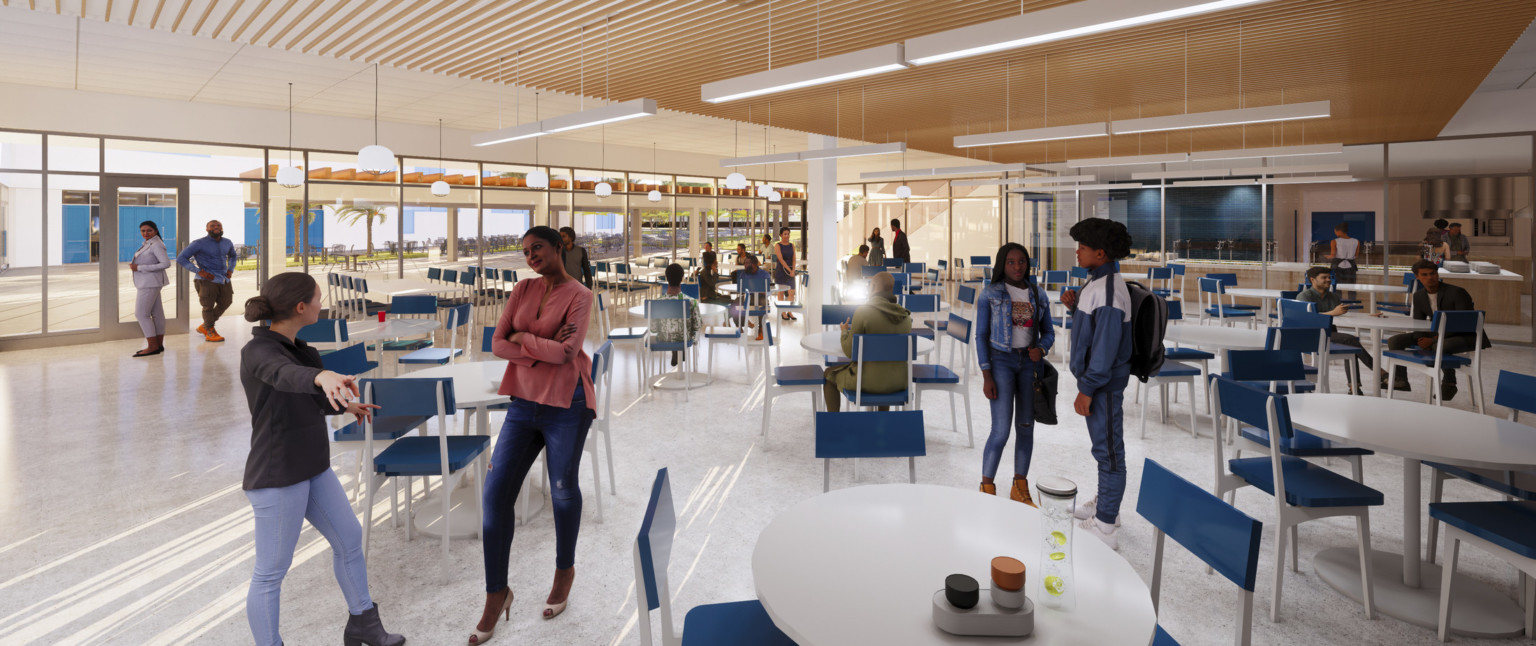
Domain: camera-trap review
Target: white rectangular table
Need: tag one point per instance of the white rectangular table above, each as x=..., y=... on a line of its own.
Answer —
x=1266, y=296
x=1376, y=325
x=1371, y=290
x=409, y=287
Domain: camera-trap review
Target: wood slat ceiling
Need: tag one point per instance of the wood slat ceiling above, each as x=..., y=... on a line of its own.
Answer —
x=1395, y=70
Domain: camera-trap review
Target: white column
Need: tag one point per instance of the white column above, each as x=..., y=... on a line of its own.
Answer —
x=821, y=228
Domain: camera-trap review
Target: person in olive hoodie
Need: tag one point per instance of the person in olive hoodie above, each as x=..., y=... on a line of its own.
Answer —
x=881, y=315
x=288, y=476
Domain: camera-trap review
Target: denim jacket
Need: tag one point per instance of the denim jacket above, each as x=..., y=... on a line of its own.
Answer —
x=995, y=305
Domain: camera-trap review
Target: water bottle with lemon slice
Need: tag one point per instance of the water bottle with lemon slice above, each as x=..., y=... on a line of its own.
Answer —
x=1058, y=497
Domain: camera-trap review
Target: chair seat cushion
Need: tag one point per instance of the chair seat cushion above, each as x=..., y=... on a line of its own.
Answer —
x=405, y=345
x=1522, y=484
x=1283, y=386
x=923, y=332
x=418, y=456
x=928, y=373
x=1306, y=484
x=1427, y=358
x=937, y=325
x=831, y=361
x=1162, y=638
x=1228, y=312
x=1186, y=354
x=1339, y=348
x=1305, y=445
x=432, y=355
x=741, y=623
x=1507, y=524
x=1172, y=369
x=897, y=398
x=799, y=375
x=722, y=333
x=384, y=428
x=627, y=332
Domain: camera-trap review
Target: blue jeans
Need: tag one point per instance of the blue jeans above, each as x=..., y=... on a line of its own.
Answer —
x=280, y=514
x=1106, y=427
x=529, y=429
x=1014, y=375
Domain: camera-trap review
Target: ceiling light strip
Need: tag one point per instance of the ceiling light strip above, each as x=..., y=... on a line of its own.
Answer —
x=1168, y=158
x=1255, y=153
x=1057, y=23
x=1079, y=187
x=1314, y=179
x=1217, y=182
x=1291, y=170
x=1053, y=133
x=946, y=171
x=1182, y=174
x=1240, y=116
x=842, y=67
x=1017, y=181
x=610, y=113
x=822, y=153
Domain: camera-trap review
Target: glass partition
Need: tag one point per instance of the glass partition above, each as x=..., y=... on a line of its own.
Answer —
x=74, y=245
x=74, y=153
x=359, y=219
x=21, y=151
x=21, y=252
x=136, y=157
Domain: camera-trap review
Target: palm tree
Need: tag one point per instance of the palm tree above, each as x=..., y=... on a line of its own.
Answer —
x=367, y=214
x=296, y=213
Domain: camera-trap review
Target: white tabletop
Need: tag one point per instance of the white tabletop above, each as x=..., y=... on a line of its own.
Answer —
x=1253, y=292
x=1215, y=337
x=1125, y=276
x=409, y=287
x=733, y=288
x=1370, y=287
x=1417, y=430
x=831, y=343
x=860, y=566
x=390, y=329
x=474, y=382
x=1357, y=320
x=706, y=310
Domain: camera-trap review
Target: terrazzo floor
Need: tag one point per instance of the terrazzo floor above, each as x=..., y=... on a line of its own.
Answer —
x=122, y=520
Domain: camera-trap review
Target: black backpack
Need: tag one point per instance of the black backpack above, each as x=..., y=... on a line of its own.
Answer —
x=1149, y=320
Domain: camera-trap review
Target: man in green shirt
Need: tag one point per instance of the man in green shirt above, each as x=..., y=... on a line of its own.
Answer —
x=1329, y=303
x=880, y=315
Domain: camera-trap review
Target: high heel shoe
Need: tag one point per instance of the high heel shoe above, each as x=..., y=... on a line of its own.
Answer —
x=552, y=610
x=477, y=637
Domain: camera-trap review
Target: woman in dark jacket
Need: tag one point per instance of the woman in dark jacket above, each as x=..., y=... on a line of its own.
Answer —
x=288, y=476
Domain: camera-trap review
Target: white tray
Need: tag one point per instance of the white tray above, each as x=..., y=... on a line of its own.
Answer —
x=987, y=618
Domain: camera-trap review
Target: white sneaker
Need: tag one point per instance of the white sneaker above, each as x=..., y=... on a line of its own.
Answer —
x=1089, y=510
x=1102, y=532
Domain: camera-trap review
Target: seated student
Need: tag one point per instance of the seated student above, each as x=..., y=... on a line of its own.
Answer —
x=880, y=315
x=856, y=265
x=1435, y=296
x=741, y=260
x=740, y=306
x=709, y=280
x=672, y=330
x=1329, y=302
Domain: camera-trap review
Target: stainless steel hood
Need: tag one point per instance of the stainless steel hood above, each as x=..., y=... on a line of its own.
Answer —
x=1467, y=198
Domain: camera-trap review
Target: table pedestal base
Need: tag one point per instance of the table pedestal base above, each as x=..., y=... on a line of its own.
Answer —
x=675, y=380
x=461, y=512
x=1477, y=610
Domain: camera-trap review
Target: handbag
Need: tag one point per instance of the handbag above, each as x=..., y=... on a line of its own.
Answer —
x=1045, y=394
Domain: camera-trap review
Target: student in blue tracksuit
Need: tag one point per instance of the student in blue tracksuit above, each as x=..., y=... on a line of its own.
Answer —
x=1013, y=333
x=1101, y=363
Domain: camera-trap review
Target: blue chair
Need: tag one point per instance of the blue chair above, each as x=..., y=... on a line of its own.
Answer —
x=1290, y=306
x=1178, y=272
x=920, y=304
x=1301, y=490
x=447, y=457
x=902, y=283
x=1079, y=274
x=833, y=316
x=967, y=297
x=741, y=622
x=458, y=317
x=435, y=274
x=937, y=376
x=1411, y=284
x=870, y=270
x=600, y=271
x=602, y=382
x=1507, y=529
x=331, y=332
x=1163, y=274
x=416, y=306
x=691, y=290
x=894, y=263
x=1279, y=370
x=1348, y=355
x=353, y=360
x=676, y=311
x=1517, y=392
x=1172, y=373
x=1270, y=367
x=804, y=378
x=869, y=434
x=1225, y=538
x=1187, y=355
x=872, y=348
x=1212, y=290
x=1056, y=277
x=1230, y=280
x=1430, y=363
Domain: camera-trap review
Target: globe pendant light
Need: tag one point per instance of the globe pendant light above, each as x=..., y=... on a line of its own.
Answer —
x=903, y=192
x=764, y=190
x=603, y=189
x=775, y=196
x=290, y=176
x=440, y=187
x=375, y=158
x=735, y=181
x=654, y=195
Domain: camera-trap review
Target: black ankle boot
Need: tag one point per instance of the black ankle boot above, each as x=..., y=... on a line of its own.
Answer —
x=367, y=629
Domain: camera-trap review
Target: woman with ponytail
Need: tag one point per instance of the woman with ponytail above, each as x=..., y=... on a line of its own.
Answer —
x=148, y=267
x=1013, y=333
x=288, y=476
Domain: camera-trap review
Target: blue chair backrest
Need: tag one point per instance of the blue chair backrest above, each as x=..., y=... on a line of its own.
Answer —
x=1266, y=365
x=1079, y=272
x=757, y=284
x=1515, y=391
x=324, y=331
x=1290, y=293
x=434, y=273
x=1175, y=311
x=958, y=329
x=1290, y=307
x=1178, y=269
x=1456, y=322
x=837, y=314
x=1250, y=405
x=915, y=268
x=653, y=547
x=458, y=316
x=1225, y=538
x=408, y=396
x=486, y=334
x=981, y=261
x=1308, y=319
x=602, y=265
x=967, y=295
x=921, y=302
x=870, y=270
x=691, y=290
x=894, y=262
x=1159, y=273
x=1228, y=280
x=472, y=269
x=602, y=359
x=870, y=434
x=489, y=273
x=1299, y=338
x=884, y=347
x=1057, y=276
x=1211, y=286
x=901, y=282
x=413, y=304
x=451, y=275
x=468, y=277
x=666, y=308
x=509, y=276
x=943, y=264
x=351, y=360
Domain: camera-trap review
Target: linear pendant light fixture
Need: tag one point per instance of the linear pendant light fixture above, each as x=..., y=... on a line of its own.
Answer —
x=1028, y=181
x=610, y=113
x=1240, y=116
x=290, y=176
x=1292, y=170
x=1053, y=133
x=831, y=69
x=1216, y=182
x=1169, y=158
x=1314, y=179
x=820, y=153
x=1255, y=153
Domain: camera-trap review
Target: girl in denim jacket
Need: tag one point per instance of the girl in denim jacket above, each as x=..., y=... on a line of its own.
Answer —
x=1013, y=333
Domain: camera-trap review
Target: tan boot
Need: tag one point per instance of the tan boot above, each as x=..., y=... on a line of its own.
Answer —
x=989, y=488
x=1020, y=492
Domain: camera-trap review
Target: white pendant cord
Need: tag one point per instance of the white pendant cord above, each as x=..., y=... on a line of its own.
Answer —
x=290, y=124
x=375, y=104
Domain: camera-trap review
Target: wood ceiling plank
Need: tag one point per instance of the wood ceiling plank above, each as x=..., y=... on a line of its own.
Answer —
x=181, y=13
x=488, y=29
x=325, y=35
x=381, y=32
x=227, y=16
x=249, y=19
x=154, y=21
x=323, y=18
x=278, y=15
x=109, y=11
x=133, y=11
x=198, y=28
x=534, y=30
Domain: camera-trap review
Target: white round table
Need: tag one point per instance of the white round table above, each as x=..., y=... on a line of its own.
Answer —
x=732, y=288
x=1405, y=587
x=1376, y=325
x=676, y=379
x=474, y=389
x=1371, y=290
x=1266, y=296
x=371, y=330
x=706, y=310
x=860, y=566
x=1215, y=337
x=831, y=344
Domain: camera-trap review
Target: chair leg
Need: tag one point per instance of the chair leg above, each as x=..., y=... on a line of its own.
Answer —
x=1295, y=547
x=912, y=469
x=597, y=488
x=826, y=475
x=483, y=463
x=1143, y=412
x=954, y=418
x=1476, y=377
x=1447, y=573
x=767, y=412
x=1436, y=493
x=1280, y=534
x=608, y=450
x=1530, y=606
x=447, y=489
x=970, y=434
x=1363, y=523
x=1357, y=466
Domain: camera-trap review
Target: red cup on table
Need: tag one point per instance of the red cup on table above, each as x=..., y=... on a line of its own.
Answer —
x=381, y=316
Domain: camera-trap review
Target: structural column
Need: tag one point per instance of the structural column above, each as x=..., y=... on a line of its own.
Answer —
x=821, y=227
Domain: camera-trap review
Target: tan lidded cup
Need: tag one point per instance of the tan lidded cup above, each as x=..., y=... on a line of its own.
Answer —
x=1008, y=582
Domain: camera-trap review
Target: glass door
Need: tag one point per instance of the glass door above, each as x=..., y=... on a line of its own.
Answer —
x=127, y=203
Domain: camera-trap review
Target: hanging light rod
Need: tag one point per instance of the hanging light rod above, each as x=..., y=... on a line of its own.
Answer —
x=1027, y=181
x=1052, y=133
x=1217, y=182
x=610, y=113
x=822, y=153
x=1240, y=116
x=947, y=171
x=1255, y=153
x=1078, y=187
x=1057, y=23
x=1292, y=170
x=1183, y=174
x=831, y=69
x=1169, y=158
x=1315, y=179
